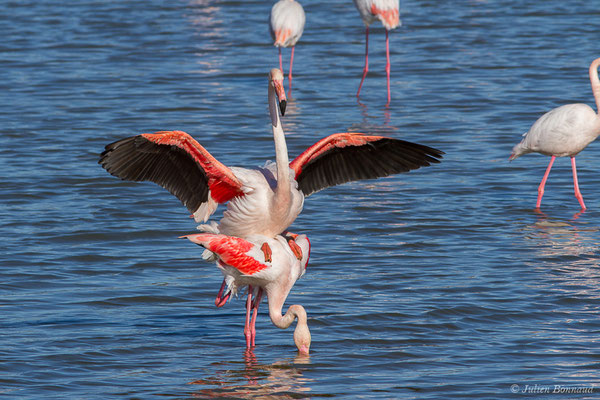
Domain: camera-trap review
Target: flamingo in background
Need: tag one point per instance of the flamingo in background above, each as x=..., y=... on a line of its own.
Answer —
x=286, y=24
x=388, y=12
x=243, y=263
x=564, y=131
x=267, y=200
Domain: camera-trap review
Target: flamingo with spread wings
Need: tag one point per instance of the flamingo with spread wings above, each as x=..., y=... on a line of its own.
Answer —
x=263, y=201
x=244, y=264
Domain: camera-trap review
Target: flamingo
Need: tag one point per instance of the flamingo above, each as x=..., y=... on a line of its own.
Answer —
x=388, y=12
x=243, y=263
x=264, y=201
x=286, y=24
x=564, y=131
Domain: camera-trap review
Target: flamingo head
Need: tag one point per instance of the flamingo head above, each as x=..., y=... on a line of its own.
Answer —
x=276, y=81
x=302, y=338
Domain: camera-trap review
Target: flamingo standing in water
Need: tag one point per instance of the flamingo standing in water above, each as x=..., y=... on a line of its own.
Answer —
x=286, y=24
x=267, y=200
x=388, y=12
x=243, y=263
x=564, y=131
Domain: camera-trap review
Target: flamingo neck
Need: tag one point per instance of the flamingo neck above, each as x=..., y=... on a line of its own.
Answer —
x=302, y=337
x=595, y=82
x=281, y=153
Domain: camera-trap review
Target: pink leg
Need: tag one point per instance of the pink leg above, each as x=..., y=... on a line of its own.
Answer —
x=387, y=65
x=280, y=63
x=576, y=184
x=220, y=300
x=255, y=306
x=543, y=183
x=247, y=330
x=290, y=74
x=366, y=68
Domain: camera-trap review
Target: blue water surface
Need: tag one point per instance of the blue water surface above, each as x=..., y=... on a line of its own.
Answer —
x=440, y=283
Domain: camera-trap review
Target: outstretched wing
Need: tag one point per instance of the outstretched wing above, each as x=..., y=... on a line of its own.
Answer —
x=231, y=250
x=178, y=163
x=345, y=157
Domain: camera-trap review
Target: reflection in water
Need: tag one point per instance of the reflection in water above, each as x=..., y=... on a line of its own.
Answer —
x=368, y=127
x=292, y=116
x=281, y=380
x=557, y=238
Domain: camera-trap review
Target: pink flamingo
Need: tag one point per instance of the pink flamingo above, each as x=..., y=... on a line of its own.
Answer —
x=243, y=263
x=388, y=12
x=564, y=131
x=267, y=200
x=286, y=24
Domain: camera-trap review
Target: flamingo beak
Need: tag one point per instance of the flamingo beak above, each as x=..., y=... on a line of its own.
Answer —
x=280, y=92
x=282, y=105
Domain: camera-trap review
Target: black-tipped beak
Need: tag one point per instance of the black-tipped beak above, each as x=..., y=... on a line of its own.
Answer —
x=282, y=105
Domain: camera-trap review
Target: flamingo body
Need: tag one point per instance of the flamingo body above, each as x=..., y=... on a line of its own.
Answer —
x=563, y=131
x=286, y=23
x=243, y=264
x=386, y=11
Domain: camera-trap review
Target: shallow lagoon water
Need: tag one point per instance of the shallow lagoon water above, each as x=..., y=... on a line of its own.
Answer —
x=441, y=283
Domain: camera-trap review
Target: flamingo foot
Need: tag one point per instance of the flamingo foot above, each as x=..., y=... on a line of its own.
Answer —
x=295, y=249
x=266, y=249
x=222, y=299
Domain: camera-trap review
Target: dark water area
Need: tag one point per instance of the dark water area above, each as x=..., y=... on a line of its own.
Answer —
x=440, y=283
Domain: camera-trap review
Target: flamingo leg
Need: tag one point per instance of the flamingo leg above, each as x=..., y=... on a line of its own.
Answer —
x=576, y=184
x=255, y=306
x=247, y=330
x=280, y=62
x=221, y=300
x=543, y=183
x=366, y=68
x=290, y=74
x=387, y=65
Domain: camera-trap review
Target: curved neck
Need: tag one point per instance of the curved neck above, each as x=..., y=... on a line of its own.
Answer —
x=281, y=153
x=595, y=82
x=302, y=337
x=284, y=321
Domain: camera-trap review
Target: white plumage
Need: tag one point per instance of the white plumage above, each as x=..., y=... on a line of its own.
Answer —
x=286, y=23
x=563, y=131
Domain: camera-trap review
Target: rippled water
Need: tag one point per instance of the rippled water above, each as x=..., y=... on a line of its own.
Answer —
x=441, y=283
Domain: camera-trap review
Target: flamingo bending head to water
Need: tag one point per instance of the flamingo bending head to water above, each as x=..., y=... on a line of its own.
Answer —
x=243, y=264
x=267, y=200
x=286, y=25
x=388, y=12
x=564, y=131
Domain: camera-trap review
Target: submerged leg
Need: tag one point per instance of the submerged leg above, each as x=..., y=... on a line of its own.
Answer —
x=366, y=68
x=576, y=184
x=543, y=183
x=247, y=330
x=255, y=305
x=387, y=65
